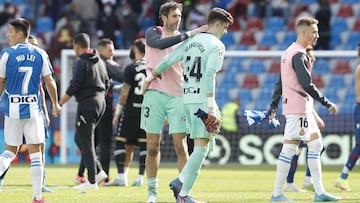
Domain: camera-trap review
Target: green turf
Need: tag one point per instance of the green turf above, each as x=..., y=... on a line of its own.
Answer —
x=223, y=184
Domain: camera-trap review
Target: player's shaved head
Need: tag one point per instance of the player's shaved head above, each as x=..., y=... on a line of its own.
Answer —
x=305, y=22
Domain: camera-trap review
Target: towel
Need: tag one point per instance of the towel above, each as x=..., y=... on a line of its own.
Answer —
x=255, y=116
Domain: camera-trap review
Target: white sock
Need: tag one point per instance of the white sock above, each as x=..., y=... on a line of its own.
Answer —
x=37, y=171
x=307, y=179
x=126, y=170
x=5, y=160
x=282, y=170
x=314, y=164
x=121, y=176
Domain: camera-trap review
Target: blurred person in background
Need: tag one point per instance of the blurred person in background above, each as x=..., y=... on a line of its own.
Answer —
x=127, y=119
x=104, y=130
x=107, y=22
x=89, y=84
x=342, y=182
x=323, y=15
x=231, y=117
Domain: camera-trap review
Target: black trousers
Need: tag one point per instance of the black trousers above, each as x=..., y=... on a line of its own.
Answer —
x=104, y=133
x=89, y=113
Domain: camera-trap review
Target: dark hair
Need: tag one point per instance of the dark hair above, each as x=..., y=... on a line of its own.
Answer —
x=21, y=25
x=83, y=40
x=132, y=54
x=221, y=15
x=105, y=41
x=167, y=7
x=140, y=45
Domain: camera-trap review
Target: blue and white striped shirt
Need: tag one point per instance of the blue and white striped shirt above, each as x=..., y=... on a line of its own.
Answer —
x=22, y=66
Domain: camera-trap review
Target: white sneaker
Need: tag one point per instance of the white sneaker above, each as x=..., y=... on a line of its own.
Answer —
x=100, y=176
x=291, y=187
x=86, y=186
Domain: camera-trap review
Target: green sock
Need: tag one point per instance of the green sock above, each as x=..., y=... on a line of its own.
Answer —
x=152, y=186
x=192, y=167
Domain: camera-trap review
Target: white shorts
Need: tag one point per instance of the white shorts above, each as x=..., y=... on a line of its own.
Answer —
x=300, y=127
x=32, y=129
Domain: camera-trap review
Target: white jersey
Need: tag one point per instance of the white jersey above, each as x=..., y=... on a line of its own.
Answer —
x=22, y=66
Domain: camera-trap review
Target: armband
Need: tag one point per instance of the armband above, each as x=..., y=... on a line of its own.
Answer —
x=118, y=109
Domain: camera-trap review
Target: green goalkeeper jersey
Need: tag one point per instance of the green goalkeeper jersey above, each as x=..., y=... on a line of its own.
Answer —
x=202, y=56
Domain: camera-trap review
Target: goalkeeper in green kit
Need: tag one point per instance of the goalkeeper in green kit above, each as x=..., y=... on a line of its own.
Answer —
x=202, y=56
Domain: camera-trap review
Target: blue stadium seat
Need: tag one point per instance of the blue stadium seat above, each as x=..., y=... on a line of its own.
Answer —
x=353, y=38
x=321, y=66
x=332, y=95
x=18, y=2
x=308, y=1
x=289, y=37
x=246, y=96
x=235, y=65
x=223, y=4
x=241, y=47
x=228, y=39
x=145, y=23
x=268, y=39
x=44, y=24
x=256, y=66
x=336, y=82
x=349, y=1
x=335, y=40
x=339, y=25
x=229, y=80
x=270, y=81
x=222, y=96
x=275, y=24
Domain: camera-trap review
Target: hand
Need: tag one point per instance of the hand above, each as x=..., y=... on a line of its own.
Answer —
x=56, y=110
x=47, y=120
x=333, y=108
x=214, y=118
x=272, y=113
x=145, y=87
x=195, y=31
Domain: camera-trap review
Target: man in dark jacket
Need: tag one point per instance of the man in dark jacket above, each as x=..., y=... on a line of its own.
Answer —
x=89, y=85
x=104, y=130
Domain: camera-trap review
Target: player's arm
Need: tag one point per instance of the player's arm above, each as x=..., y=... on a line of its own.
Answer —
x=3, y=61
x=75, y=82
x=50, y=83
x=44, y=108
x=154, y=39
x=122, y=101
x=52, y=90
x=213, y=65
x=275, y=99
x=167, y=62
x=303, y=75
x=2, y=86
x=357, y=83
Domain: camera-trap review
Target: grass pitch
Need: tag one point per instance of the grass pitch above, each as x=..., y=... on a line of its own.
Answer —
x=216, y=184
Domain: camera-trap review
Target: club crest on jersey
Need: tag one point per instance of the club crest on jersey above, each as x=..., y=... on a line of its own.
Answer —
x=302, y=132
x=20, y=99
